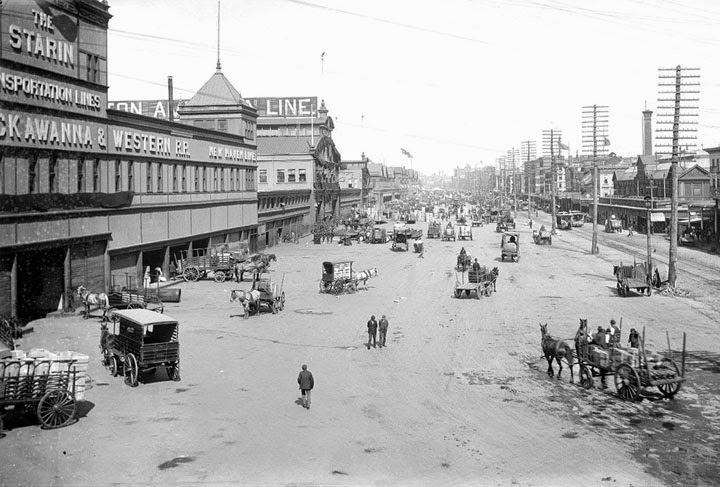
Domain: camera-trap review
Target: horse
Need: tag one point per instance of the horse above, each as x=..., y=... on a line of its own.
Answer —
x=365, y=275
x=555, y=349
x=248, y=299
x=267, y=258
x=95, y=299
x=494, y=273
x=254, y=267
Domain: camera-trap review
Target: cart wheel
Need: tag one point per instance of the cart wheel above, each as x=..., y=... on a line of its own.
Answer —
x=173, y=371
x=669, y=390
x=627, y=382
x=113, y=366
x=282, y=301
x=274, y=307
x=135, y=306
x=458, y=293
x=131, y=370
x=189, y=273
x=219, y=276
x=337, y=287
x=56, y=409
x=586, y=377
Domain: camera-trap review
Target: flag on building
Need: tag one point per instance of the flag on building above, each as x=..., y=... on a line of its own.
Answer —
x=405, y=153
x=606, y=141
x=563, y=146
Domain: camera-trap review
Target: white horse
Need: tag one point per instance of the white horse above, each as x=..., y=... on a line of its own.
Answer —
x=95, y=299
x=363, y=276
x=247, y=299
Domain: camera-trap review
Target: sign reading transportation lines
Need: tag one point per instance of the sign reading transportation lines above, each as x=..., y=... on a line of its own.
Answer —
x=294, y=106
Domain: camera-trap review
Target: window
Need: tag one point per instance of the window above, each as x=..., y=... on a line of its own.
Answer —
x=281, y=175
x=183, y=174
x=118, y=174
x=215, y=179
x=93, y=64
x=263, y=175
x=301, y=175
x=222, y=125
x=195, y=176
x=96, y=175
x=53, y=179
x=131, y=176
x=149, y=178
x=205, y=178
x=291, y=175
x=222, y=179
x=175, y=178
x=237, y=180
x=159, y=168
x=80, y=175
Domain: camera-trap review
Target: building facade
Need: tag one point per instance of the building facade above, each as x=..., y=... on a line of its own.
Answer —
x=90, y=196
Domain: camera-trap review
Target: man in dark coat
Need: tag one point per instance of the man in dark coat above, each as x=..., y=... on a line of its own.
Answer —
x=372, y=327
x=383, y=330
x=306, y=383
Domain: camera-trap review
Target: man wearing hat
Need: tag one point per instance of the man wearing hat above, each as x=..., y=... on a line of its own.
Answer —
x=598, y=337
x=383, y=330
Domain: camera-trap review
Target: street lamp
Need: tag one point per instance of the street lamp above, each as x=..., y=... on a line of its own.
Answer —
x=648, y=206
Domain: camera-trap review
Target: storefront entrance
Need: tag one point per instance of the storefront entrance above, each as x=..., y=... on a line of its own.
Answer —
x=40, y=276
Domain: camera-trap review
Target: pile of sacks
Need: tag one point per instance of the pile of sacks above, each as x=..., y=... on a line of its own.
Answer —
x=28, y=374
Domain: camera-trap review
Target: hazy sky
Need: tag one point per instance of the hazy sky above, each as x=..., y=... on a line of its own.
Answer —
x=452, y=81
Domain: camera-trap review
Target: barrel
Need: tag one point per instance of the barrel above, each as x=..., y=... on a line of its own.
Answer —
x=166, y=294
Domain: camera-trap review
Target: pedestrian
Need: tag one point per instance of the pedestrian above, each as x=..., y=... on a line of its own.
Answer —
x=383, y=330
x=631, y=231
x=614, y=333
x=306, y=382
x=372, y=327
x=634, y=339
x=531, y=222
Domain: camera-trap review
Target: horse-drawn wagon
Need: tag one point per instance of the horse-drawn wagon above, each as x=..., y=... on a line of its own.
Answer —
x=613, y=224
x=45, y=387
x=501, y=226
x=264, y=294
x=479, y=282
x=401, y=240
x=465, y=232
x=633, y=368
x=448, y=233
x=510, y=246
x=632, y=278
x=131, y=299
x=379, y=235
x=337, y=277
x=201, y=263
x=434, y=230
x=141, y=340
x=542, y=236
x=477, y=220
x=563, y=219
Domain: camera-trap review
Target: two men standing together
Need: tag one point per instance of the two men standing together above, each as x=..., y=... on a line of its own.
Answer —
x=372, y=326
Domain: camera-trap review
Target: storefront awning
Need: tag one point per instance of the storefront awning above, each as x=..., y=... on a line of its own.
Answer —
x=657, y=217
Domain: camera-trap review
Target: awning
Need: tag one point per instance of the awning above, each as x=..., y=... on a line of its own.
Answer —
x=657, y=217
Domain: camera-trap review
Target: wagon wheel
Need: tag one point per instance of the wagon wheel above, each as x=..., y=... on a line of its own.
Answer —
x=669, y=390
x=173, y=371
x=337, y=287
x=190, y=274
x=586, y=377
x=56, y=409
x=627, y=382
x=131, y=370
x=113, y=366
x=135, y=306
x=219, y=276
x=282, y=301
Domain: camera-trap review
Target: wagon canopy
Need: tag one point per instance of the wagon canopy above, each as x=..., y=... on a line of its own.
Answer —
x=145, y=317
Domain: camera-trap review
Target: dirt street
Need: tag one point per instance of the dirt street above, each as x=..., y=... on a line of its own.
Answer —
x=458, y=397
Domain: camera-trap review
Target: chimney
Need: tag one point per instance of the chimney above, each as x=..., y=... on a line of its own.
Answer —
x=647, y=133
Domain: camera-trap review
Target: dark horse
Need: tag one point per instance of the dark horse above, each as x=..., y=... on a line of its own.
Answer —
x=555, y=349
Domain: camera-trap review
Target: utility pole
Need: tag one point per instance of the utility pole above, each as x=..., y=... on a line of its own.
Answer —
x=594, y=128
x=513, y=156
x=501, y=164
x=673, y=83
x=527, y=149
x=551, y=141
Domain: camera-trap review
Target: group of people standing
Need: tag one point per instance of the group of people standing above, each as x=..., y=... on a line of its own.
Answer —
x=372, y=327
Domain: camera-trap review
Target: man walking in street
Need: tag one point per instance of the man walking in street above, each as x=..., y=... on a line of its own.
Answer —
x=372, y=327
x=383, y=330
x=306, y=383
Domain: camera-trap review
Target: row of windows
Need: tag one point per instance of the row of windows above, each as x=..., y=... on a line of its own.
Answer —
x=286, y=131
x=285, y=176
x=54, y=175
x=283, y=202
x=222, y=124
